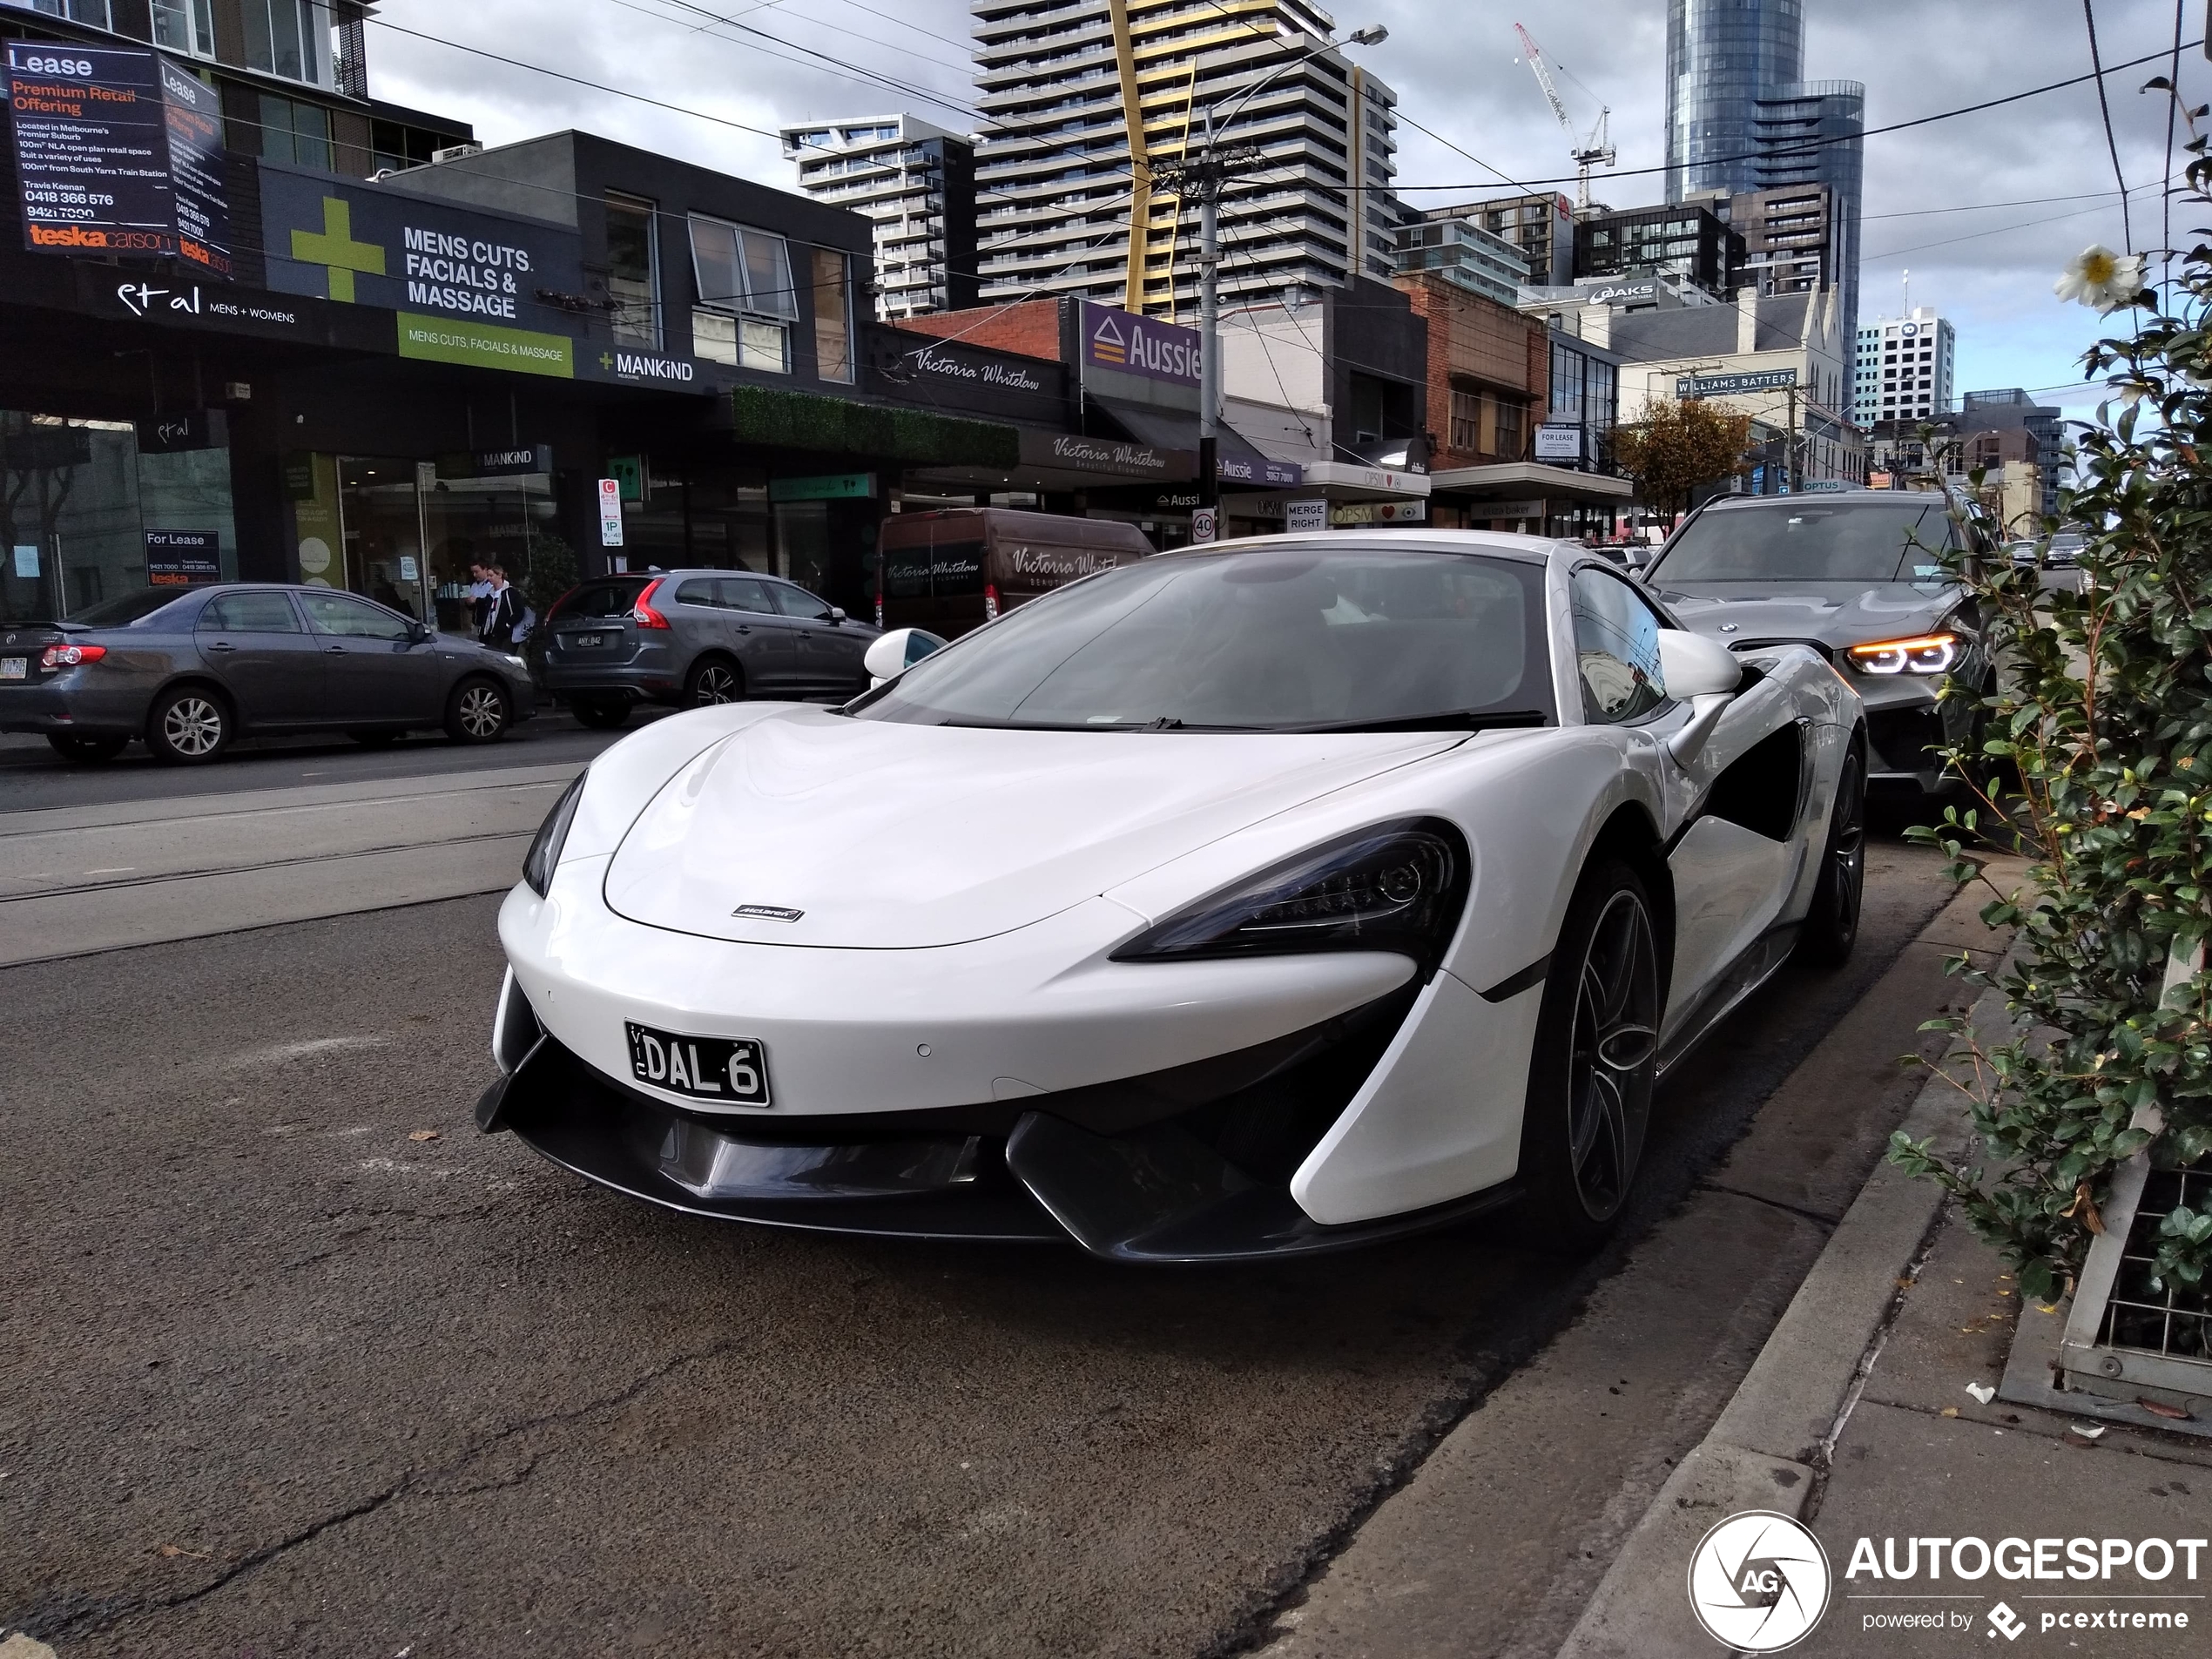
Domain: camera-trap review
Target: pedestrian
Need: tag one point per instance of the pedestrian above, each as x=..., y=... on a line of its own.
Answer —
x=503, y=611
x=479, y=597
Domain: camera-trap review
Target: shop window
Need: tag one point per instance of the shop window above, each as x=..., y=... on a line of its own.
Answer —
x=186, y=26
x=633, y=270
x=746, y=305
x=1512, y=442
x=294, y=131
x=92, y=11
x=832, y=316
x=1467, y=422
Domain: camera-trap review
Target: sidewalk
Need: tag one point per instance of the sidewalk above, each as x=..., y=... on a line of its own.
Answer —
x=1856, y=1419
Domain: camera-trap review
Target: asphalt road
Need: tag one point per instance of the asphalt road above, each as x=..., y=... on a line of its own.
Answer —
x=278, y=1378
x=33, y=776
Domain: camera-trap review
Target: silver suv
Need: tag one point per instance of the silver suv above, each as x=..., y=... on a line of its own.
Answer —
x=698, y=637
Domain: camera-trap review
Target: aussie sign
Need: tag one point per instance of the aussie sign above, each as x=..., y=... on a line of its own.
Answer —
x=116, y=152
x=1131, y=345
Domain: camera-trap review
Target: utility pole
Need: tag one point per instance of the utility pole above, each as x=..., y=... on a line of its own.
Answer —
x=1201, y=178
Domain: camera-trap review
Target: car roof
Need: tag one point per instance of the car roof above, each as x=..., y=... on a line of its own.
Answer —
x=1920, y=498
x=1534, y=549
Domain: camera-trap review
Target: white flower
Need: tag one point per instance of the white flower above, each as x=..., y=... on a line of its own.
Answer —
x=2098, y=277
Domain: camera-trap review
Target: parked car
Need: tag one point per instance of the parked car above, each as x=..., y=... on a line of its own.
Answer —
x=954, y=570
x=189, y=669
x=1855, y=575
x=1255, y=899
x=696, y=637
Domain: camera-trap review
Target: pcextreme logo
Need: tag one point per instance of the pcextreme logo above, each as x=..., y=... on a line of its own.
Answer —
x=1758, y=1582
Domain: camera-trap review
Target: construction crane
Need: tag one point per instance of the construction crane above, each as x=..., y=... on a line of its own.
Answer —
x=1596, y=151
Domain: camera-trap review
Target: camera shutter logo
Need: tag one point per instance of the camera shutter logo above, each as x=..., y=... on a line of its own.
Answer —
x=1758, y=1582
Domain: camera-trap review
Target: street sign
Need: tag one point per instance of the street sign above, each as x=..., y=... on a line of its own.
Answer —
x=1206, y=524
x=610, y=512
x=630, y=473
x=1305, y=515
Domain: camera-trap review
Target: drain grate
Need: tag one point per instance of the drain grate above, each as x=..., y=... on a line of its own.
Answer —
x=2172, y=1322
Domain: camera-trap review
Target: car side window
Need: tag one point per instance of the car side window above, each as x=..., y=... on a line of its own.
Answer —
x=342, y=614
x=1616, y=648
x=796, y=602
x=248, y=613
x=699, y=590
x=745, y=593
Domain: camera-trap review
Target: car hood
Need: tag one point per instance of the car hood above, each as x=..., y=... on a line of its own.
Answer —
x=894, y=837
x=1835, y=613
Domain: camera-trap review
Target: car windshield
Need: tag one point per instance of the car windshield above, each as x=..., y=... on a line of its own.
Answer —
x=1296, y=638
x=126, y=608
x=1810, y=544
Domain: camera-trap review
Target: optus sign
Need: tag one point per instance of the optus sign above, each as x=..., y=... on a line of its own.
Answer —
x=1132, y=345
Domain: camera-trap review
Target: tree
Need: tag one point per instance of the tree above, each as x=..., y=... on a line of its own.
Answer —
x=1678, y=448
x=553, y=571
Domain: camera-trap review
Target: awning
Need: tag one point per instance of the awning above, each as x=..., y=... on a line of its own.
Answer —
x=1238, y=461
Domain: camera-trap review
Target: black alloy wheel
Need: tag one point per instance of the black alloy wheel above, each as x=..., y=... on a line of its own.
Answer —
x=1595, y=1060
x=76, y=746
x=601, y=713
x=1831, y=925
x=189, y=725
x=713, y=680
x=476, y=713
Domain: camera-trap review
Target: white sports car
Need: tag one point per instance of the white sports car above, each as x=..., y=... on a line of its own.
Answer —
x=1253, y=900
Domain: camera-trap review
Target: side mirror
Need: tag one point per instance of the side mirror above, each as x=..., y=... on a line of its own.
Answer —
x=893, y=653
x=1639, y=556
x=422, y=633
x=837, y=615
x=1703, y=674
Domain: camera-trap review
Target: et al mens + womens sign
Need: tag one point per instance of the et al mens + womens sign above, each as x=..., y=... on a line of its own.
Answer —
x=464, y=282
x=116, y=152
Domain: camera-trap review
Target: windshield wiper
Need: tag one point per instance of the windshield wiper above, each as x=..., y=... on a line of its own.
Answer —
x=1444, y=720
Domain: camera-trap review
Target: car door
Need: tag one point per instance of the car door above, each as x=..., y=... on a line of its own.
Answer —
x=1733, y=855
x=828, y=653
x=253, y=641
x=378, y=669
x=765, y=639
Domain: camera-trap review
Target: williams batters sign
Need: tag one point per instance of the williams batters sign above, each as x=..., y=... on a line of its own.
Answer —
x=1724, y=385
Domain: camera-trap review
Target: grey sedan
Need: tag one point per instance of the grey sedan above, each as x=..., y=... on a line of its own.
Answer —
x=188, y=669
x=693, y=637
x=1856, y=575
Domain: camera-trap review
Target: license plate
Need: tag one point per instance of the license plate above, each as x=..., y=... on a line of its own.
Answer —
x=587, y=642
x=14, y=668
x=733, y=1071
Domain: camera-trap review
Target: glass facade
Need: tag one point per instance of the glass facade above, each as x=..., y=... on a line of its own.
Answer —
x=1724, y=56
x=1812, y=134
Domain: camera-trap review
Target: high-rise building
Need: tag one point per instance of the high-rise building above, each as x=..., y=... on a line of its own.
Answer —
x=1687, y=240
x=2012, y=407
x=1541, y=224
x=1905, y=368
x=1741, y=117
x=917, y=183
x=1059, y=182
x=1463, y=253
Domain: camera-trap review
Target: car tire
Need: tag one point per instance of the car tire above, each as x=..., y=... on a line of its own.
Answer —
x=712, y=680
x=478, y=711
x=601, y=713
x=73, y=745
x=1595, y=1059
x=375, y=739
x=189, y=725
x=1831, y=927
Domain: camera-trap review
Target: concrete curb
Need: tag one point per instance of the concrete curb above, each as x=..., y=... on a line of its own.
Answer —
x=1771, y=1442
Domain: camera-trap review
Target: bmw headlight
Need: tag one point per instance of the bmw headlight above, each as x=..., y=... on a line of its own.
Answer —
x=1922, y=654
x=1397, y=887
x=552, y=835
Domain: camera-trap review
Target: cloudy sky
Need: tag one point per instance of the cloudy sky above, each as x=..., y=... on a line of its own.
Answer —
x=1982, y=209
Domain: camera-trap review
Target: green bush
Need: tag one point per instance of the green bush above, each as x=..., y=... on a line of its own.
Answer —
x=2104, y=712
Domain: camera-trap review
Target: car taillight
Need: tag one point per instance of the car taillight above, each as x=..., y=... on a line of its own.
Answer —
x=70, y=656
x=990, y=603
x=643, y=612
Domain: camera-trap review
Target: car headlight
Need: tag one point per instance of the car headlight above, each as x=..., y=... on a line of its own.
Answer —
x=514, y=663
x=1922, y=654
x=1397, y=887
x=552, y=835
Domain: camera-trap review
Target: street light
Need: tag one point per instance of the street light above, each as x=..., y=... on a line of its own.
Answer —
x=1204, y=178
